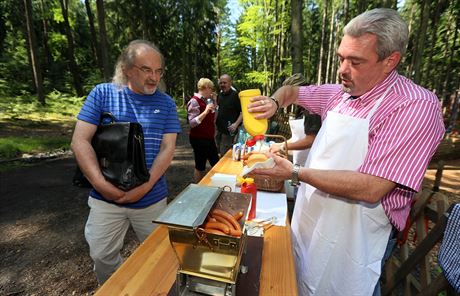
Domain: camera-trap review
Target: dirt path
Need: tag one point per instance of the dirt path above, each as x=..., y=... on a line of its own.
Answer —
x=42, y=216
x=42, y=246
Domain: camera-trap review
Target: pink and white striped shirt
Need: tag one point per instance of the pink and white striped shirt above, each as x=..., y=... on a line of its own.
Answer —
x=404, y=133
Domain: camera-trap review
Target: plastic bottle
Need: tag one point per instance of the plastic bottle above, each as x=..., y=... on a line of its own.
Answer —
x=210, y=101
x=248, y=186
x=253, y=126
x=241, y=136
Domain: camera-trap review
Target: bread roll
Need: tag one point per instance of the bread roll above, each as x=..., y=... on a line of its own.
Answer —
x=255, y=158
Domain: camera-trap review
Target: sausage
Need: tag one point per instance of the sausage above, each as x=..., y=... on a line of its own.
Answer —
x=214, y=231
x=217, y=225
x=225, y=221
x=227, y=216
x=238, y=215
x=233, y=231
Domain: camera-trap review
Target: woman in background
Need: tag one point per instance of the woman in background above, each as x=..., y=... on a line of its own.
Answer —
x=201, y=117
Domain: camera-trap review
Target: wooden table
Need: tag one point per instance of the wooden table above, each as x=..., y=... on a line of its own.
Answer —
x=152, y=268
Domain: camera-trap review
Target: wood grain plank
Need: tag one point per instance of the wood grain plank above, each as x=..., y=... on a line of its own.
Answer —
x=152, y=268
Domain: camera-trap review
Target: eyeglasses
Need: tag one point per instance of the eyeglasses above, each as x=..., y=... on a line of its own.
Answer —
x=149, y=71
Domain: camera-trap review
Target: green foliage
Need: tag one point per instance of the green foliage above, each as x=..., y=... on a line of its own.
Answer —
x=256, y=77
x=255, y=50
x=59, y=107
x=11, y=147
x=182, y=112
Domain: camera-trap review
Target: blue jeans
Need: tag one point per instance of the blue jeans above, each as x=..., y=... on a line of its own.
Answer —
x=388, y=251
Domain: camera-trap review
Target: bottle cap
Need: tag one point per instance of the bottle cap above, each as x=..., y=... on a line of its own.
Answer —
x=259, y=137
x=250, y=142
x=249, y=180
x=245, y=180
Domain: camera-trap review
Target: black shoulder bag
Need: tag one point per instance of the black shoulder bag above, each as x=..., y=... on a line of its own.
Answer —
x=120, y=150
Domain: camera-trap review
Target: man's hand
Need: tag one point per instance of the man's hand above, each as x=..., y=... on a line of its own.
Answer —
x=109, y=191
x=266, y=107
x=232, y=127
x=134, y=194
x=263, y=106
x=282, y=169
x=209, y=108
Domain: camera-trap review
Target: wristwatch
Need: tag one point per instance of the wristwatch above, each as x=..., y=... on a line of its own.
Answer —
x=276, y=102
x=295, y=175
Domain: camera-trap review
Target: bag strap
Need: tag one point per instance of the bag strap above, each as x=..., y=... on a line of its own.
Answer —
x=107, y=115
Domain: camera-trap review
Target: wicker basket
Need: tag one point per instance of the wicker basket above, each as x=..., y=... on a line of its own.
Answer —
x=265, y=183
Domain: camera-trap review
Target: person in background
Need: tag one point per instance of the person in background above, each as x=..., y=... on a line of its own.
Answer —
x=304, y=127
x=133, y=96
x=229, y=115
x=378, y=134
x=201, y=117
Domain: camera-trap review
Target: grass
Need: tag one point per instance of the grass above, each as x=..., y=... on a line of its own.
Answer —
x=59, y=107
x=11, y=147
x=30, y=127
x=26, y=126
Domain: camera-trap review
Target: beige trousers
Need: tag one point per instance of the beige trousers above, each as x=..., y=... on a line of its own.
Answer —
x=106, y=228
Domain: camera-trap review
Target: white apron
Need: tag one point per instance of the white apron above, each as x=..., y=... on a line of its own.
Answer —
x=298, y=132
x=338, y=243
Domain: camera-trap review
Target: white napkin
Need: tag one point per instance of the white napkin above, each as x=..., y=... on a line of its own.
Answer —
x=268, y=164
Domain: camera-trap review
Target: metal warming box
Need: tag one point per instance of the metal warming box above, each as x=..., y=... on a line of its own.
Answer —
x=213, y=257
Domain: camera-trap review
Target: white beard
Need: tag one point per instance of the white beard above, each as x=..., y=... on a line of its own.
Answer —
x=346, y=89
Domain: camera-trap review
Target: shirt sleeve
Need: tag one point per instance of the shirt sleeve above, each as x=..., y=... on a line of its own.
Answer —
x=316, y=98
x=402, y=146
x=92, y=107
x=193, y=110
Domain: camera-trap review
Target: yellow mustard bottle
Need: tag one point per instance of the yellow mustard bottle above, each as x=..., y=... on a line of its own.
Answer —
x=253, y=126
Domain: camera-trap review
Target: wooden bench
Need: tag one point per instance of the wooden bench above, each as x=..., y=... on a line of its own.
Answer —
x=409, y=269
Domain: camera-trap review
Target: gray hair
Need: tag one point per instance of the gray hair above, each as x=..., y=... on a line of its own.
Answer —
x=391, y=30
x=128, y=56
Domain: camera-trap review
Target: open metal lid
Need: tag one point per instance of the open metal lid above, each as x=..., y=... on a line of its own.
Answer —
x=190, y=208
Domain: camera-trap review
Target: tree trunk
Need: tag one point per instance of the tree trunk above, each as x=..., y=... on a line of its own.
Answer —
x=335, y=59
x=421, y=41
x=3, y=29
x=218, y=54
x=330, y=46
x=73, y=67
x=434, y=30
x=284, y=51
x=411, y=40
x=103, y=39
x=46, y=48
x=444, y=67
x=346, y=12
x=323, y=43
x=94, y=44
x=361, y=6
x=297, y=36
x=33, y=52
x=450, y=60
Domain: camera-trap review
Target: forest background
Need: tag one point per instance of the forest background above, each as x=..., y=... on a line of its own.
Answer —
x=53, y=52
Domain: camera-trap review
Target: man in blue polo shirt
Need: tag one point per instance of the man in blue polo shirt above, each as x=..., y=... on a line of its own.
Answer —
x=133, y=96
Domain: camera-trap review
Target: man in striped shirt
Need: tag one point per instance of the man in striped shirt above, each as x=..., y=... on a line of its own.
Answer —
x=132, y=97
x=379, y=133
